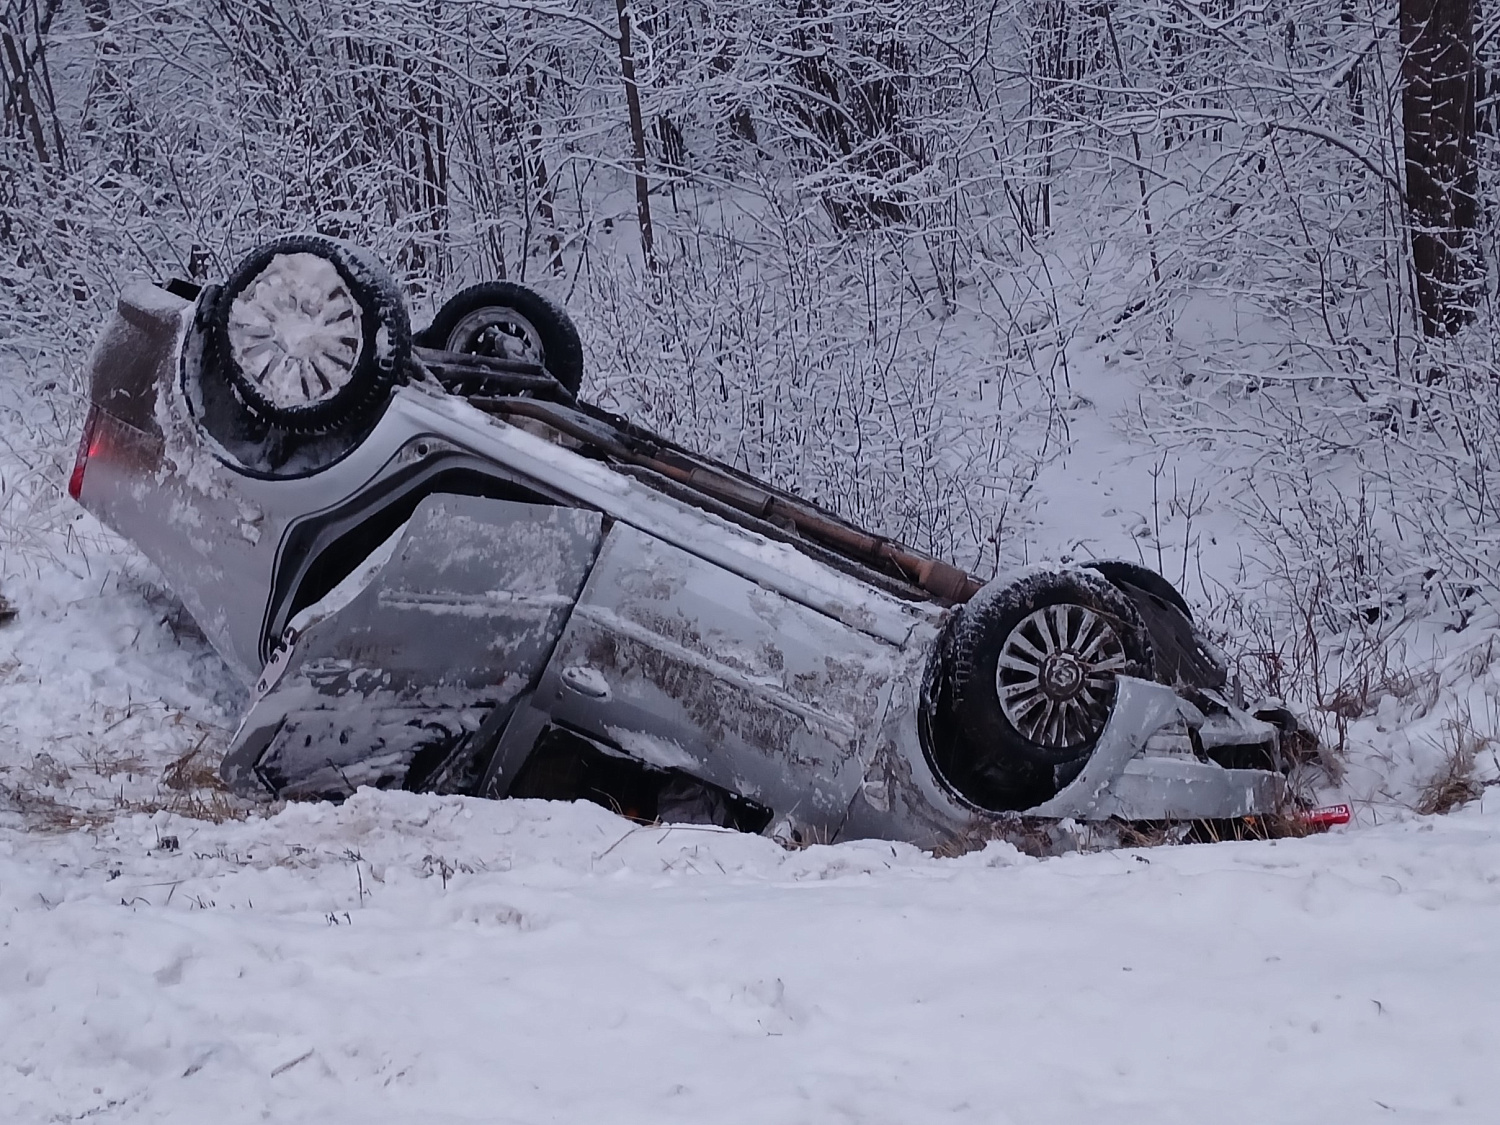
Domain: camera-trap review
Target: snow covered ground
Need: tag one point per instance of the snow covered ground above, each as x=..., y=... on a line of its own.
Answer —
x=168, y=954
x=419, y=959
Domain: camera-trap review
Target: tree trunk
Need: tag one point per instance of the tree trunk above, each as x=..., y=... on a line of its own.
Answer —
x=1437, y=114
x=27, y=81
x=637, y=136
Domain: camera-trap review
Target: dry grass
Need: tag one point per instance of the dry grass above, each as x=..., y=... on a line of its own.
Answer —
x=42, y=812
x=193, y=789
x=54, y=797
x=1037, y=837
x=1040, y=838
x=1455, y=783
x=47, y=772
x=1270, y=826
x=111, y=762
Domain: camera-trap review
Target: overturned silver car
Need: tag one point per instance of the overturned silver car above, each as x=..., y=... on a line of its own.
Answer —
x=439, y=570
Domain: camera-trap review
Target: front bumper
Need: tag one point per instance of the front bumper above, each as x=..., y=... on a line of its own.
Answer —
x=1124, y=780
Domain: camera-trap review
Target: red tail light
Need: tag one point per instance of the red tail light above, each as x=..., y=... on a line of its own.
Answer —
x=86, y=449
x=1327, y=816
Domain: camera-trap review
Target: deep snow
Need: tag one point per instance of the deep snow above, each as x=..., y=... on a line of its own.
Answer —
x=419, y=959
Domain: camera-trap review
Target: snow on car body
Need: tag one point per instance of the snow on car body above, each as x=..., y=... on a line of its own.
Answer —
x=449, y=582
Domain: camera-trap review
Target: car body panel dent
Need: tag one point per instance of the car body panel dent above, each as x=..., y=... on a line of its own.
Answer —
x=689, y=665
x=459, y=620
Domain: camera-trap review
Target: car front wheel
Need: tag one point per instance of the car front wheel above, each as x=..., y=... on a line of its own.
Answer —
x=1028, y=684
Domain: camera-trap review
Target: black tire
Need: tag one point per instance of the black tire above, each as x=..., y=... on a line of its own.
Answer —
x=1054, y=714
x=503, y=319
x=1182, y=656
x=1142, y=578
x=291, y=389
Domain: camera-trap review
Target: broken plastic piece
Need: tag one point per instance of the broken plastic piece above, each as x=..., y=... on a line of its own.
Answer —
x=1327, y=816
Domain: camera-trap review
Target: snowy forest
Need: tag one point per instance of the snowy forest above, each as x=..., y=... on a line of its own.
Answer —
x=880, y=254
x=813, y=235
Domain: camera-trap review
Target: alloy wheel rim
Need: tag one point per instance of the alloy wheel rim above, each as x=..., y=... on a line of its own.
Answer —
x=1055, y=676
x=296, y=332
x=499, y=334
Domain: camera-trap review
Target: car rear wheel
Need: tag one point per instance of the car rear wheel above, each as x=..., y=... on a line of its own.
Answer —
x=312, y=333
x=1032, y=669
x=504, y=320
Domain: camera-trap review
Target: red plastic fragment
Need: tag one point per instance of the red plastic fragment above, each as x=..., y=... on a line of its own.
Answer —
x=1327, y=816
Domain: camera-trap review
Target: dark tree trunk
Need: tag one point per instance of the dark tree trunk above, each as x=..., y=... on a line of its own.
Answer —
x=637, y=137
x=1437, y=113
x=855, y=117
x=545, y=209
x=27, y=82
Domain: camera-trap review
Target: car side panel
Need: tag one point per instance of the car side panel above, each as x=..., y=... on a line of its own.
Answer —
x=457, y=619
x=683, y=664
x=126, y=362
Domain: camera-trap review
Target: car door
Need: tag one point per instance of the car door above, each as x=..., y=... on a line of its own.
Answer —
x=444, y=625
x=685, y=665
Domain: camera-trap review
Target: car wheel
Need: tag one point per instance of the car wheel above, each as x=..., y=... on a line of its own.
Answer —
x=1033, y=666
x=312, y=333
x=1142, y=578
x=503, y=320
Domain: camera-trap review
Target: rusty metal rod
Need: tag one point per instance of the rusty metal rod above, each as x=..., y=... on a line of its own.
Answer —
x=939, y=578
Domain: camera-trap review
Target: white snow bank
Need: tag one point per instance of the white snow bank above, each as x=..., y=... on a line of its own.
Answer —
x=421, y=959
